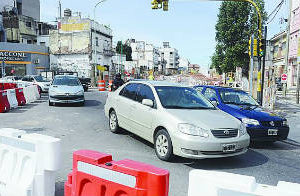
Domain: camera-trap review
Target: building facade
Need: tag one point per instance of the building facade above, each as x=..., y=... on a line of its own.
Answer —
x=171, y=58
x=278, y=50
x=24, y=59
x=81, y=45
x=294, y=39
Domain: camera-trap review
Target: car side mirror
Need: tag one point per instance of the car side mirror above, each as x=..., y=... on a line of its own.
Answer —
x=148, y=102
x=214, y=102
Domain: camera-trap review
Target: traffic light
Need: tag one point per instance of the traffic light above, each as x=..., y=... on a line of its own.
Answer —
x=262, y=47
x=155, y=4
x=166, y=5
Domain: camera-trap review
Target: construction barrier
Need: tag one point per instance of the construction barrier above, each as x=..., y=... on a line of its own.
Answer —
x=37, y=91
x=4, y=104
x=101, y=85
x=28, y=163
x=95, y=173
x=20, y=97
x=12, y=99
x=31, y=93
x=213, y=183
x=110, y=83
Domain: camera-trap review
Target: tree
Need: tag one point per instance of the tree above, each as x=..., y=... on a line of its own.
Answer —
x=124, y=49
x=237, y=21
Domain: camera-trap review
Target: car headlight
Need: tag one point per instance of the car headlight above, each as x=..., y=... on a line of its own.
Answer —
x=79, y=93
x=190, y=129
x=285, y=123
x=249, y=121
x=242, y=129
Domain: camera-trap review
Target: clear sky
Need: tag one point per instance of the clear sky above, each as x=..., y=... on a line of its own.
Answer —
x=189, y=25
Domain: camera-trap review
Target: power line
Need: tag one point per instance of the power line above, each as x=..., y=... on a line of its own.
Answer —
x=276, y=10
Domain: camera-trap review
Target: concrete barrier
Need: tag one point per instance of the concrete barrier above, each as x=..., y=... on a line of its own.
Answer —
x=28, y=163
x=213, y=183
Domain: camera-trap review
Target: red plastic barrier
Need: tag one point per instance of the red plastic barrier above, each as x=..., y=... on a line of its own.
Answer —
x=4, y=104
x=96, y=174
x=20, y=97
x=9, y=86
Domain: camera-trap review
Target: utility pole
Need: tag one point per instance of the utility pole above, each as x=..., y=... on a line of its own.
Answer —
x=264, y=50
x=3, y=69
x=288, y=37
x=251, y=65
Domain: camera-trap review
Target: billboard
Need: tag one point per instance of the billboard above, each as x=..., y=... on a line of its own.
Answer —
x=74, y=24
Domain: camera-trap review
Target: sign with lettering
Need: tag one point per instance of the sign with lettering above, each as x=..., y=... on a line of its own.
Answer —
x=15, y=56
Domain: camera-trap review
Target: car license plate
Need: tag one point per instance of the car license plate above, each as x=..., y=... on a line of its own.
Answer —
x=229, y=147
x=273, y=132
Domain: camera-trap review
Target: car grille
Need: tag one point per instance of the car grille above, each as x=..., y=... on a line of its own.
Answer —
x=270, y=123
x=225, y=133
x=69, y=97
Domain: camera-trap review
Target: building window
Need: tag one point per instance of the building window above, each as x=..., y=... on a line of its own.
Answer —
x=97, y=41
x=29, y=42
x=171, y=53
x=28, y=24
x=42, y=43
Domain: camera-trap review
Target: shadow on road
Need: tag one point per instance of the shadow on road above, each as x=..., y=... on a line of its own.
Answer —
x=59, y=188
x=92, y=103
x=249, y=159
x=283, y=145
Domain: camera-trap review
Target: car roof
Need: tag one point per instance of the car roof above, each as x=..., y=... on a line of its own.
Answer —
x=220, y=87
x=61, y=76
x=158, y=83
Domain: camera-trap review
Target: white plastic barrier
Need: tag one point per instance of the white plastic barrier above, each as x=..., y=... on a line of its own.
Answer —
x=28, y=163
x=31, y=93
x=12, y=99
x=212, y=183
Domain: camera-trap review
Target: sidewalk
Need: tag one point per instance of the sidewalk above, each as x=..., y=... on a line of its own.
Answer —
x=287, y=107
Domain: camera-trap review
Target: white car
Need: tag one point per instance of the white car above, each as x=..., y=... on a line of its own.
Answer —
x=66, y=89
x=42, y=83
x=176, y=119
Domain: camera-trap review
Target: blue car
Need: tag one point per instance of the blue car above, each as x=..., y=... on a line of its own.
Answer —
x=262, y=125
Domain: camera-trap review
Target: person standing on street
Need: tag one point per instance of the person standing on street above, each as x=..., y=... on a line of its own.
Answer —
x=117, y=82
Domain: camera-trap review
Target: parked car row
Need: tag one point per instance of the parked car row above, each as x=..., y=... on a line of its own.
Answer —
x=199, y=122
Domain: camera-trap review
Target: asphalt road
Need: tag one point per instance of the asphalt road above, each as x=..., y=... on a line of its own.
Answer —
x=87, y=128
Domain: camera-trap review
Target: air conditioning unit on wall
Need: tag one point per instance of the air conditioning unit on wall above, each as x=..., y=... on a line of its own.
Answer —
x=36, y=61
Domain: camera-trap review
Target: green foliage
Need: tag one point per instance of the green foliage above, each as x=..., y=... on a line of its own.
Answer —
x=124, y=49
x=236, y=23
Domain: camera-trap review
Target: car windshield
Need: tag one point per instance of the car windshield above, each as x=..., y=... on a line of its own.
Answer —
x=40, y=79
x=182, y=98
x=237, y=98
x=66, y=81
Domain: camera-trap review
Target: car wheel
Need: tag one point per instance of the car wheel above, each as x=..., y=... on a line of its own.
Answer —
x=82, y=103
x=163, y=145
x=50, y=103
x=113, y=122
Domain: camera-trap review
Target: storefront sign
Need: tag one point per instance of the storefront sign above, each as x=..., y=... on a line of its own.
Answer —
x=15, y=56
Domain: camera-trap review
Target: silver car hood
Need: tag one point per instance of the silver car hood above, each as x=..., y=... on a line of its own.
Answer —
x=206, y=119
x=65, y=89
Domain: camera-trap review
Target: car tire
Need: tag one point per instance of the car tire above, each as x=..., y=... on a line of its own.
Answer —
x=82, y=103
x=163, y=145
x=113, y=122
x=50, y=103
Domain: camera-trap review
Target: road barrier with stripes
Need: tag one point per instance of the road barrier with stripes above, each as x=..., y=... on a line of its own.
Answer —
x=96, y=174
x=12, y=98
x=20, y=97
x=101, y=85
x=28, y=163
x=110, y=83
x=213, y=183
x=4, y=103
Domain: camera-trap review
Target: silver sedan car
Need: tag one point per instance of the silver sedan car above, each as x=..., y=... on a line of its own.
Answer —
x=176, y=119
x=66, y=89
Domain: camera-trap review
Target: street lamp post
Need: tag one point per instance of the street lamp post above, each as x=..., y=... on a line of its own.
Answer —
x=94, y=41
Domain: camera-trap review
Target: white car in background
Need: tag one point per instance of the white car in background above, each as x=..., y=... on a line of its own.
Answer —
x=66, y=89
x=42, y=83
x=176, y=119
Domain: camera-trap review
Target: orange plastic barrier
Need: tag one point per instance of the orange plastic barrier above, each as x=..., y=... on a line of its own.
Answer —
x=110, y=85
x=96, y=174
x=101, y=85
